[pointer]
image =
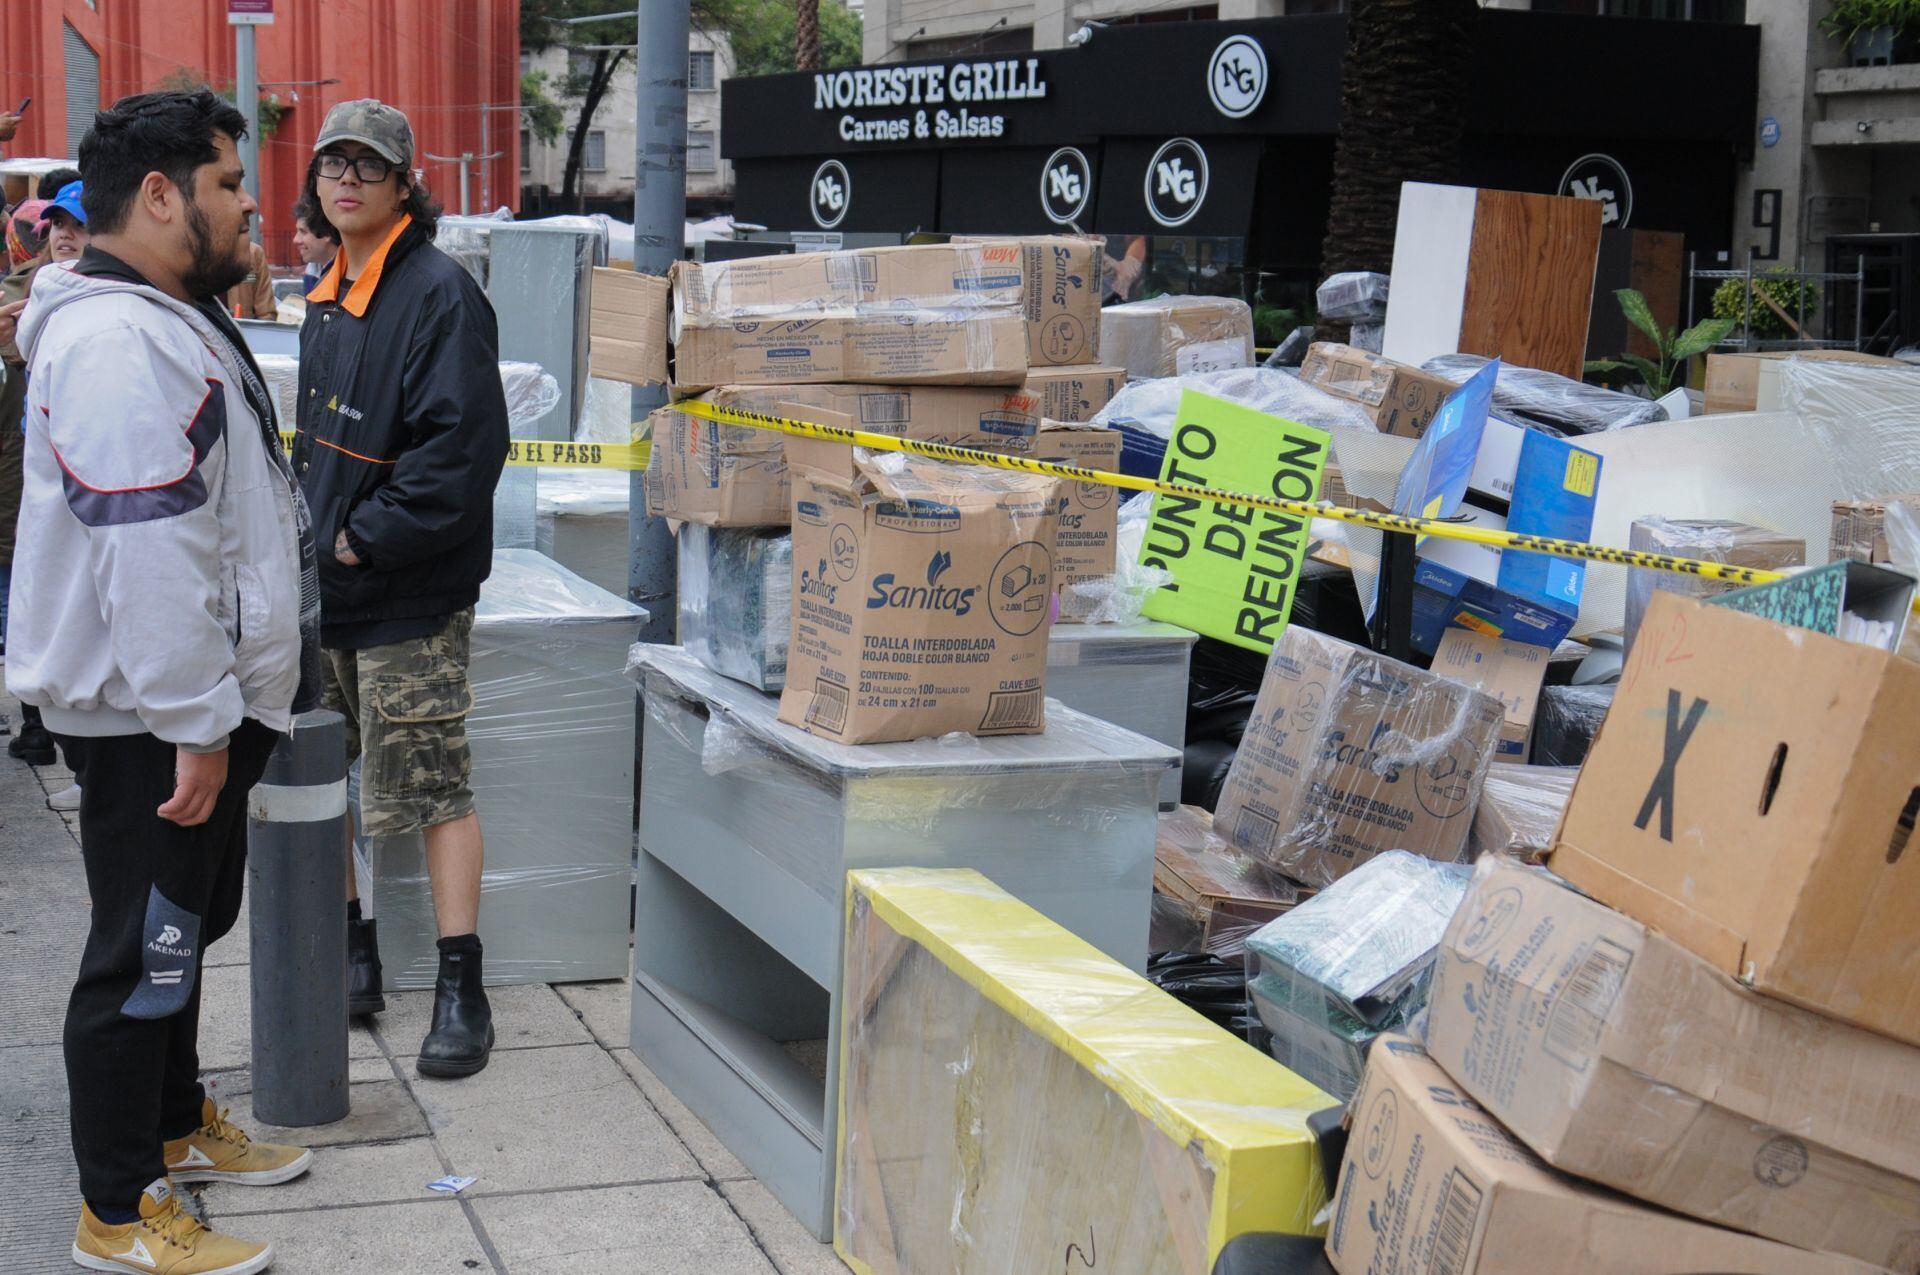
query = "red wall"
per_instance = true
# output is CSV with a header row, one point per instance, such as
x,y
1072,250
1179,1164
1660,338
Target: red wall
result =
x,y
437,60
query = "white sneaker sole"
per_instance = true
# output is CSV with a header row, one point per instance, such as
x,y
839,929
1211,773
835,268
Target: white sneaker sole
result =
x,y
285,1173
249,1267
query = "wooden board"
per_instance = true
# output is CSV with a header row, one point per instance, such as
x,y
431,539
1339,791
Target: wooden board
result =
x,y
1529,290
1653,263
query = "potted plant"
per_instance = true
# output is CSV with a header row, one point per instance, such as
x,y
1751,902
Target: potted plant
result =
x,y
1659,376
1875,31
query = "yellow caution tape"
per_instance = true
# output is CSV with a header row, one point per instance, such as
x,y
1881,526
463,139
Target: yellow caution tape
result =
x,y
1441,528
555,455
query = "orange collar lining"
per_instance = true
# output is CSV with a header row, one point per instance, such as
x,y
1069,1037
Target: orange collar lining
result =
x,y
358,296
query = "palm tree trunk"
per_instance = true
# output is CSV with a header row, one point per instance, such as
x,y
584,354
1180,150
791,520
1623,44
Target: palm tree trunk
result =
x,y
806,35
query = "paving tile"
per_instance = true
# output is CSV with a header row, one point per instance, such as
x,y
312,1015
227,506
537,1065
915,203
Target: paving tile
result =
x,y
226,1016
524,1017
720,1164
542,1118
791,1245
429,1238
604,1008
381,1173
382,1111
674,1228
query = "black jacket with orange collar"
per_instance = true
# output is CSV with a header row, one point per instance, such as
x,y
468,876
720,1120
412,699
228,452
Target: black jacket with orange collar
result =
x,y
402,433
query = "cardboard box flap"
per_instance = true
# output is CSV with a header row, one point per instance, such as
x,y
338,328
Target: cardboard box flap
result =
x,y
1718,945
627,328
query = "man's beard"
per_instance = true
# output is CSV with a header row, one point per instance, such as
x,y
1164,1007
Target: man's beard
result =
x,y
212,272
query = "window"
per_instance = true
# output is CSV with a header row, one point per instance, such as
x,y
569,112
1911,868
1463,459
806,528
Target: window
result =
x,y
526,151
700,71
83,85
579,64
703,150
594,160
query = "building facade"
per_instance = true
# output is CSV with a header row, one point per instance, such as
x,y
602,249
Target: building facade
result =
x,y
609,154
451,65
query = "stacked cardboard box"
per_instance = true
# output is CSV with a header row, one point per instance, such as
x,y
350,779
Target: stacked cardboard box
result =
x,y
1737,544
1400,398
1177,336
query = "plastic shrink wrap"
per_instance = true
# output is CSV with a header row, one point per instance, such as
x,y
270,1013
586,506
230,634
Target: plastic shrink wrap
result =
x,y
1711,540
1520,807
1868,415
736,601
1177,336
1144,411
551,732
1567,719
989,1058
1564,406
581,519
1349,754
1353,296
1133,675
1207,896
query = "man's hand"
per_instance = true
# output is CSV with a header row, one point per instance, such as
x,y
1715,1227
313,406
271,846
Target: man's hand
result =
x,y
343,550
197,781
10,320
9,125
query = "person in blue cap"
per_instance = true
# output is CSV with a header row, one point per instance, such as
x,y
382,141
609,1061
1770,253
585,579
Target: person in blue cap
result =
x,y
66,224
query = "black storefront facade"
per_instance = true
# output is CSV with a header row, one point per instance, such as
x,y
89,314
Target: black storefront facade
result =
x,y
1205,150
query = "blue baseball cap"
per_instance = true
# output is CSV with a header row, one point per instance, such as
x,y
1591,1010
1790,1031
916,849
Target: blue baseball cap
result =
x,y
68,201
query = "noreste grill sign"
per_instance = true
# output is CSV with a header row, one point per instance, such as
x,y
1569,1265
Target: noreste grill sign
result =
x,y
932,90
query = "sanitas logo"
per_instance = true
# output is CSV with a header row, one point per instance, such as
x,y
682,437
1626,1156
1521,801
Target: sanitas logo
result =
x,y
814,584
1365,756
932,596
1064,280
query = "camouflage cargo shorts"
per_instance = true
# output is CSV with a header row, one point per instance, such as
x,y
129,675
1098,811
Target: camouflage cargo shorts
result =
x,y
406,707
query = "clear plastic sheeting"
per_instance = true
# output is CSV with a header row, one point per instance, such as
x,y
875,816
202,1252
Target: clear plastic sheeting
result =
x,y
1370,337
468,240
532,393
736,601
1177,336
1120,597
281,372
1349,754
991,1058
1132,675
1564,406
957,279
1207,896
1076,803
581,521
1520,809
608,415
1144,411
1353,296
1868,417
1710,540
1565,722
551,732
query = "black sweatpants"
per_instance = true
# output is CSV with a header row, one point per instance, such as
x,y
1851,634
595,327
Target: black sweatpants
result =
x,y
162,894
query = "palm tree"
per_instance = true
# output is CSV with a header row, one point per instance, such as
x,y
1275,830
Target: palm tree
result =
x,y
806,35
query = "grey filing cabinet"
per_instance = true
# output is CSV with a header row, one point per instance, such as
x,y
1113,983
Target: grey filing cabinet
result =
x,y
1133,675
748,828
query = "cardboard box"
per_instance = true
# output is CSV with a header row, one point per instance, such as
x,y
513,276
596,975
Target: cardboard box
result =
x,y
1349,754
1061,301
1177,336
1074,393
921,602
1860,528
1320,1044
1228,894
736,476
983,277
1520,809
1511,672
1618,1056
1752,794
1737,544
1089,512
1432,1183
1734,380
1009,1094
1399,398
918,347
627,327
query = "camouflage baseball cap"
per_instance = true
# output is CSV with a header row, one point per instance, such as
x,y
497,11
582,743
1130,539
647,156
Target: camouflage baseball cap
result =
x,y
373,122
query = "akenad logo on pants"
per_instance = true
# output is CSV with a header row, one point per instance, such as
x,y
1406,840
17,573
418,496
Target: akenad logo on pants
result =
x,y
167,943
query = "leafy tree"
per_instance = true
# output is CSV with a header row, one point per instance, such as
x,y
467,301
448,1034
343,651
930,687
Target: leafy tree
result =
x,y
763,34
589,75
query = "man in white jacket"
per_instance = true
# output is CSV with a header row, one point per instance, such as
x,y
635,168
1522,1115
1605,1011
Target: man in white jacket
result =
x,y
163,600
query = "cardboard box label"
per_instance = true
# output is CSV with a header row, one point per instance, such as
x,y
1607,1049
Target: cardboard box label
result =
x,y
1074,394
1234,568
1089,511
1511,672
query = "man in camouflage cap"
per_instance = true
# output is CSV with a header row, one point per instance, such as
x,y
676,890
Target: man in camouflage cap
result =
x,y
403,433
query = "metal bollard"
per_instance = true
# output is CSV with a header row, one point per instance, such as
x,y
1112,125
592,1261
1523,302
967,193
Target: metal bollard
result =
x,y
296,877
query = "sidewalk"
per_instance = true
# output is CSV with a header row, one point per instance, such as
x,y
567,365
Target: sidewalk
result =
x,y
585,1162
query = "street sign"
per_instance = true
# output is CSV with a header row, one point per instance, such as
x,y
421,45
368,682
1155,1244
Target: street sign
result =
x,y
250,13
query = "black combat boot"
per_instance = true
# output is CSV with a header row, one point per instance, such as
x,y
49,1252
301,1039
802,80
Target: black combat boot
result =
x,y
34,744
462,1034
364,992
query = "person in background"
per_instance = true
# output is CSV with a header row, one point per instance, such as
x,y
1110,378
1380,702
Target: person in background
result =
x,y
26,237
252,297
315,240
66,224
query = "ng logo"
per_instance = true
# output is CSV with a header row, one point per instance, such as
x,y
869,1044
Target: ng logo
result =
x,y
1175,180
1066,185
1176,183
832,194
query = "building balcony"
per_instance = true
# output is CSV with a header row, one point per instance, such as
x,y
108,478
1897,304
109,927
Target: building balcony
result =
x,y
1868,106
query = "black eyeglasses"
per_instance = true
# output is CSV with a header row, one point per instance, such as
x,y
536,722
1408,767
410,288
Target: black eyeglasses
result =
x,y
372,168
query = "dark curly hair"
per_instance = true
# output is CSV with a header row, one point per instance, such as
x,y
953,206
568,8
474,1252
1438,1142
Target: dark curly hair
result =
x,y
169,132
307,209
419,203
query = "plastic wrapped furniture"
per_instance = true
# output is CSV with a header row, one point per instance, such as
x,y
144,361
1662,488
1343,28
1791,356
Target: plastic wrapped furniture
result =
x,y
1133,675
552,738
736,601
1711,540
748,828
1355,296
1520,807
1349,754
1012,1094
532,394
1867,415
581,521
1564,406
1207,896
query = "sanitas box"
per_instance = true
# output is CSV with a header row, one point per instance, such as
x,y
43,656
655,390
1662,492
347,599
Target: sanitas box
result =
x,y
1074,393
1349,754
921,602
1400,398
1511,672
1089,512
736,476
1752,795
1062,274
1433,1184
1617,1055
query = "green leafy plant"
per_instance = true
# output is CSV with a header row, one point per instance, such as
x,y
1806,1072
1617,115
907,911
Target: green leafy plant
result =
x,y
186,79
1848,18
1798,297
1675,347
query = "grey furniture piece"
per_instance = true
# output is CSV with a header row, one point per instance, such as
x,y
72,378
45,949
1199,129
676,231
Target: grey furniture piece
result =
x,y
1133,675
552,732
748,828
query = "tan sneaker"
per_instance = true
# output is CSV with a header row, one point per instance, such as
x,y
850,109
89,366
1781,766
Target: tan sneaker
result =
x,y
221,1152
167,1240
